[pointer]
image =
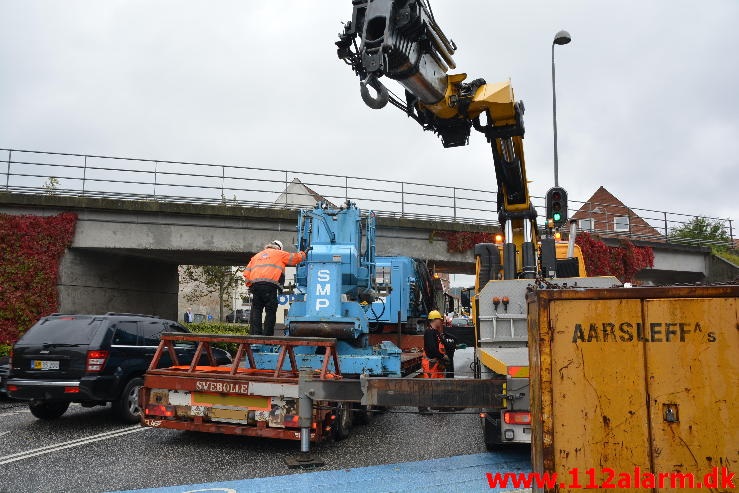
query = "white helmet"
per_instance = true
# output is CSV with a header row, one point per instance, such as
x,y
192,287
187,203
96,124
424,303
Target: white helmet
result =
x,y
278,243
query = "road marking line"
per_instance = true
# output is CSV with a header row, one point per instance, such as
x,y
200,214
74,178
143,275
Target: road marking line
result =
x,y
70,444
83,439
80,441
13,413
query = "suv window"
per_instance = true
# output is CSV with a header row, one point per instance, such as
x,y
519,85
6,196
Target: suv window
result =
x,y
150,332
62,330
126,334
173,327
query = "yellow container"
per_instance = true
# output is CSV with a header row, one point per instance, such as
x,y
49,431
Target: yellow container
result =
x,y
635,389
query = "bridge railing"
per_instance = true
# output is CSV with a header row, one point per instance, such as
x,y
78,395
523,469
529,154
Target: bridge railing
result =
x,y
204,183
232,185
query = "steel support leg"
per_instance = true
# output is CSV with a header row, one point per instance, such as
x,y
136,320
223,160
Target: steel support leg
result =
x,y
305,419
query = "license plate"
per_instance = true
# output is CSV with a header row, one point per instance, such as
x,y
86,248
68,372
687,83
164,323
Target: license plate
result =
x,y
38,364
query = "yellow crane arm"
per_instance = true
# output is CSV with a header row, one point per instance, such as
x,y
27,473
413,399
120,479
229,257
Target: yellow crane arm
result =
x,y
400,39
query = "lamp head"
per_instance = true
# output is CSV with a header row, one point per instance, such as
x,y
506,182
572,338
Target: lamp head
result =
x,y
562,38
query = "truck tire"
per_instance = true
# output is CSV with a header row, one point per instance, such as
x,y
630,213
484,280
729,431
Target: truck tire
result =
x,y
343,422
127,406
48,410
491,434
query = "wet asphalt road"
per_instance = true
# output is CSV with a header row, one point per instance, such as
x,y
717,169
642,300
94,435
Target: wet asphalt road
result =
x,y
41,456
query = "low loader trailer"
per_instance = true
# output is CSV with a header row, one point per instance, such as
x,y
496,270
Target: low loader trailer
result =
x,y
240,398
297,403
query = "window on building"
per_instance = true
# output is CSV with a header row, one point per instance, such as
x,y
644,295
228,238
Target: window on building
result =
x,y
621,223
586,224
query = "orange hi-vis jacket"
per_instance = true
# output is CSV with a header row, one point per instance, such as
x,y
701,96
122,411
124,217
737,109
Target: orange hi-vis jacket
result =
x,y
269,264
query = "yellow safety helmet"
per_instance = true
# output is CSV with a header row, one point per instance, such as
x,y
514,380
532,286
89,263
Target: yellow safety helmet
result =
x,y
435,315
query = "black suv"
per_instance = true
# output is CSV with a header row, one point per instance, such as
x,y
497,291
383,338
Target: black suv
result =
x,y
242,317
91,359
4,370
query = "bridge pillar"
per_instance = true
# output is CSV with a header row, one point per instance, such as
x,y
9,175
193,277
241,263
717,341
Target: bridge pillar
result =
x,y
98,282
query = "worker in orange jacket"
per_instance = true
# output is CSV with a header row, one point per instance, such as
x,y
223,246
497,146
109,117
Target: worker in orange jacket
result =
x,y
264,276
435,360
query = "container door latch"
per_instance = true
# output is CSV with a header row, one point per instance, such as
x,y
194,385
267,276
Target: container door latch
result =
x,y
670,413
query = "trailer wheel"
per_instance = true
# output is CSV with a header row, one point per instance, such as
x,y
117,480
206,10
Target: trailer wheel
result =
x,y
491,434
343,422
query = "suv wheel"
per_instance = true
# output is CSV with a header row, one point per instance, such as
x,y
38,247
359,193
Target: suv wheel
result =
x,y
127,407
48,410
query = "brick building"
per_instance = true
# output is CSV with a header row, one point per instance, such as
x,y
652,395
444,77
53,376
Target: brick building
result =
x,y
606,215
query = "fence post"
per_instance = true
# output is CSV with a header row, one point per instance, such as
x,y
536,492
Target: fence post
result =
x,y
7,172
454,202
285,188
346,188
731,233
84,176
666,232
223,185
402,199
156,163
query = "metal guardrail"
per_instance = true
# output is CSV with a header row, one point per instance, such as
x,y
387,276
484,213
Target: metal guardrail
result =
x,y
86,175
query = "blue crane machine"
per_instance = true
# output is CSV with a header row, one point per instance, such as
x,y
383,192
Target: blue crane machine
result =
x,y
339,295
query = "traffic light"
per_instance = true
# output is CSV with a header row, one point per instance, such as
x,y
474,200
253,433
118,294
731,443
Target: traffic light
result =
x,y
557,205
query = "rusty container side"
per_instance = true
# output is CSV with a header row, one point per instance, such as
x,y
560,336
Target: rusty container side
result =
x,y
693,384
541,385
607,372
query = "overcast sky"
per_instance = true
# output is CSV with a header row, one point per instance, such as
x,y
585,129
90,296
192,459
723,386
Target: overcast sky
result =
x,y
648,91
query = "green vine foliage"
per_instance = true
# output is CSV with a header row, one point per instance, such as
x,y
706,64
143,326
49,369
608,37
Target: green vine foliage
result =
x,y
31,248
622,262
220,328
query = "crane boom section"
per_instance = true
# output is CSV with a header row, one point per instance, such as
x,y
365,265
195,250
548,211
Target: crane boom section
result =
x,y
401,40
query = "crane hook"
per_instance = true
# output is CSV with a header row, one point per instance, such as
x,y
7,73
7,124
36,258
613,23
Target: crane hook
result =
x,y
382,93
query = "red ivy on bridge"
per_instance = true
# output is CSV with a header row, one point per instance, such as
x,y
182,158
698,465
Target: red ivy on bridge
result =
x,y
461,241
31,248
623,261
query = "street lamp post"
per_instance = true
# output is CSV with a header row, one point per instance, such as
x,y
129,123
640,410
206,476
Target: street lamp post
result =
x,y
561,38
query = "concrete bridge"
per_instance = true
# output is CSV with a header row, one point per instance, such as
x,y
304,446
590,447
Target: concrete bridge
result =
x,y
125,253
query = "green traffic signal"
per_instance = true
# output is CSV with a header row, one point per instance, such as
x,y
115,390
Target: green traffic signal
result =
x,y
556,202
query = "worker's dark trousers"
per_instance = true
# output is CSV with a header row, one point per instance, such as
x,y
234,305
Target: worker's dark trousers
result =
x,y
264,297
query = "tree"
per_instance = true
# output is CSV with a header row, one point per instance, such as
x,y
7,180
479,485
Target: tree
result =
x,y
702,230
51,186
210,279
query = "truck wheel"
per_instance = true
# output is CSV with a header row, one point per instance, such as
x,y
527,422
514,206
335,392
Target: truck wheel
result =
x,y
127,407
491,433
343,422
48,410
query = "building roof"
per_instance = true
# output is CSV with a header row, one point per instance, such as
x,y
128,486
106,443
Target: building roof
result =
x,y
298,194
603,208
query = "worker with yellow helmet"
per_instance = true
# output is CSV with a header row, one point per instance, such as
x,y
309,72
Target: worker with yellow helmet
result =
x,y
435,358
